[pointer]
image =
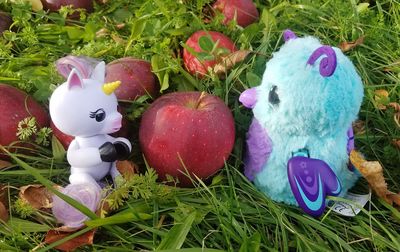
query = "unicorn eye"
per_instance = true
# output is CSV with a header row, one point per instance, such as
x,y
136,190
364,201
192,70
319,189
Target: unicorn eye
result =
x,y
273,97
99,115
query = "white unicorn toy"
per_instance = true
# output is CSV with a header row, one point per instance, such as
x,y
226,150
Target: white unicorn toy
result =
x,y
87,109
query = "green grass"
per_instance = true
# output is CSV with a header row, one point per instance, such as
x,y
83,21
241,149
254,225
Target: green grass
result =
x,y
228,214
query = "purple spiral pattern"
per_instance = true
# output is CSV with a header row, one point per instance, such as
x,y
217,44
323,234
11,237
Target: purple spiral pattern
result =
x,y
328,64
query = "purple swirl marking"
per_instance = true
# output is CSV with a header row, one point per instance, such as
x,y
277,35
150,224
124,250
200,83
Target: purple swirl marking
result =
x,y
328,64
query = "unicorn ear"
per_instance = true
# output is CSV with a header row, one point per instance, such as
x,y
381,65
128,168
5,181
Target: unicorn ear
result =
x,y
288,35
99,72
74,79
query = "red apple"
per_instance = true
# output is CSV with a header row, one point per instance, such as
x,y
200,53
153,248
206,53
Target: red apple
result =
x,y
193,128
244,11
193,64
135,76
55,5
15,106
5,21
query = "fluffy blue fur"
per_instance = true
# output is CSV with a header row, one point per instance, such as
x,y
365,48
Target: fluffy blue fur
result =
x,y
314,112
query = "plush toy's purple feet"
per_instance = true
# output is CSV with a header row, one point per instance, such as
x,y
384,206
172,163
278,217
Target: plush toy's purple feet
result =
x,y
311,180
88,194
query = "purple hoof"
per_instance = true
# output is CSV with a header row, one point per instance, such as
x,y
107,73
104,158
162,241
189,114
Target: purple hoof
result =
x,y
87,194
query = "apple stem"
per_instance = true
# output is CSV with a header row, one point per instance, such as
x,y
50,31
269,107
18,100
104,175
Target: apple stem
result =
x,y
202,95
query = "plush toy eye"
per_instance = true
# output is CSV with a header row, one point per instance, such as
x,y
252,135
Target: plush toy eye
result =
x,y
273,97
99,115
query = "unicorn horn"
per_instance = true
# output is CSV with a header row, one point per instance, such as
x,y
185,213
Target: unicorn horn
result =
x,y
109,88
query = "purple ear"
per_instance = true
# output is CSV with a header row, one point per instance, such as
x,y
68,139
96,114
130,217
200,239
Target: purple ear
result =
x,y
327,66
74,79
288,35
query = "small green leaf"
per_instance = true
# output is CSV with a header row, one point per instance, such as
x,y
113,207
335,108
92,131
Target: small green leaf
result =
x,y
203,56
119,218
19,225
252,79
268,19
192,250
177,235
57,148
362,7
165,82
217,179
121,15
90,31
137,28
189,49
159,69
206,43
251,244
74,32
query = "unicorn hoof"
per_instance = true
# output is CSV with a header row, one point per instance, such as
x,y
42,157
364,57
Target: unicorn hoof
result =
x,y
87,194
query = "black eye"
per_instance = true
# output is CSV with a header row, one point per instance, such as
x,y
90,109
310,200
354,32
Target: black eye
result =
x,y
273,97
99,115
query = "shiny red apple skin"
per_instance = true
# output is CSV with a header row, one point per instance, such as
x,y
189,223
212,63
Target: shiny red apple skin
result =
x,y
55,5
136,78
245,11
194,65
190,127
5,21
15,105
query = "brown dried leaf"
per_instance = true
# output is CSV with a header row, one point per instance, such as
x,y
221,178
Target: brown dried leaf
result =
x,y
3,203
65,229
359,127
395,198
120,26
395,106
396,143
227,62
347,46
4,195
381,97
372,171
37,196
396,119
84,239
102,32
4,164
208,13
127,168
393,67
3,212
117,39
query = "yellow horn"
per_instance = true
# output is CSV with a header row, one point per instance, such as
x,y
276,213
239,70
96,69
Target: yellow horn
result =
x,y
109,88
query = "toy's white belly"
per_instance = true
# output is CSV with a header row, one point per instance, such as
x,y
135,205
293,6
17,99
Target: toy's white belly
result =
x,y
99,171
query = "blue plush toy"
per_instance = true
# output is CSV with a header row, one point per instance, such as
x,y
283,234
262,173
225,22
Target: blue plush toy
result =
x,y
299,141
